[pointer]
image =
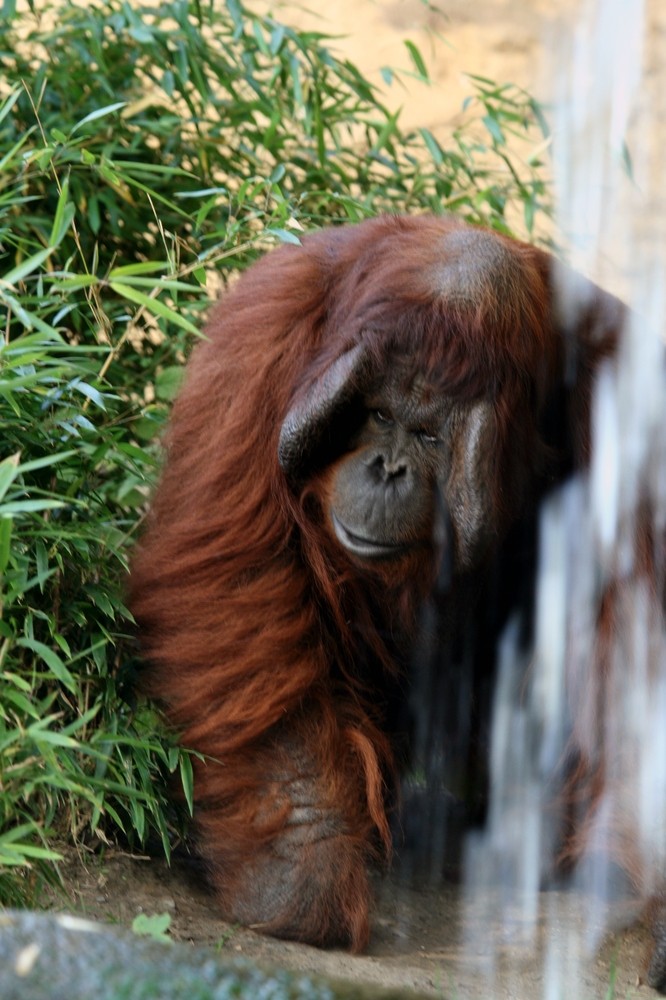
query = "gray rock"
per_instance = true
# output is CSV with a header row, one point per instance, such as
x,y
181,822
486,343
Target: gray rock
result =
x,y
46,956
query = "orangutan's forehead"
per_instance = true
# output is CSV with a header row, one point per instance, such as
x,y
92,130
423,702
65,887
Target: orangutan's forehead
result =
x,y
411,392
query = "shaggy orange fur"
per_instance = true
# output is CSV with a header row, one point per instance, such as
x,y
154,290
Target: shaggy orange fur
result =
x,y
266,644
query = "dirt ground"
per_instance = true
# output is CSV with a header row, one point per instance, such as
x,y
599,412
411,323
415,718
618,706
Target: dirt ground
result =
x,y
418,941
418,935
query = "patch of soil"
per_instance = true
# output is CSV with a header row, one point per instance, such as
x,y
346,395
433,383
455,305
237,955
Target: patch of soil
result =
x,y
423,938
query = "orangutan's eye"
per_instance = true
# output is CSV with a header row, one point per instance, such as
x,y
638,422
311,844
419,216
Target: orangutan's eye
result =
x,y
383,417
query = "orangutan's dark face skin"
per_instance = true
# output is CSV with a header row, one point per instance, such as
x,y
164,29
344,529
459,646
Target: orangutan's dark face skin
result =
x,y
414,469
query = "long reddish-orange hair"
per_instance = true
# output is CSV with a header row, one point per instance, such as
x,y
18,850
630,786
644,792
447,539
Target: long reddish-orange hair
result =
x,y
250,618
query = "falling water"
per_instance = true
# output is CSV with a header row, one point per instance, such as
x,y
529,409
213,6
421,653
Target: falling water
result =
x,y
614,223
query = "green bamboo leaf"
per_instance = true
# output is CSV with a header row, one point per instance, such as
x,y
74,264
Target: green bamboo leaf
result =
x,y
154,306
140,267
259,37
157,282
9,470
46,461
284,235
16,854
53,662
387,131
12,507
433,146
98,113
6,524
141,33
11,153
29,342
495,130
26,267
72,282
64,215
296,81
187,780
11,100
52,737
417,59
19,700
90,392
277,37
9,386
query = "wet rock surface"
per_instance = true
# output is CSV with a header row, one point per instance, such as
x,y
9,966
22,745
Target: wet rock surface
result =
x,y
62,957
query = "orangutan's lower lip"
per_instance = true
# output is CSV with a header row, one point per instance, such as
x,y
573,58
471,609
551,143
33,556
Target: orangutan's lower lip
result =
x,y
368,548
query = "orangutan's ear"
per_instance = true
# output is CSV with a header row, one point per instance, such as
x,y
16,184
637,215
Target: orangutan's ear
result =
x,y
314,411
